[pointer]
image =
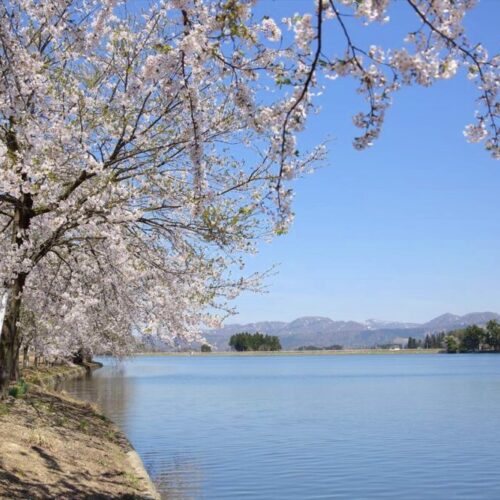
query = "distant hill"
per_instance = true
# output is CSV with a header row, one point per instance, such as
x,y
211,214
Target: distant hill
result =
x,y
452,321
321,331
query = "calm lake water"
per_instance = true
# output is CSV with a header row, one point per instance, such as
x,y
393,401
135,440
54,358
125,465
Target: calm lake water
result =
x,y
309,427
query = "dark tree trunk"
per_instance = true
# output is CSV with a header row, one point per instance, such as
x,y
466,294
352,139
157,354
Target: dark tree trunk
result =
x,y
82,356
15,371
10,340
26,350
6,360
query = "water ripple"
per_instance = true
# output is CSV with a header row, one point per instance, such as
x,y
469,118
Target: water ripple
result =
x,y
351,427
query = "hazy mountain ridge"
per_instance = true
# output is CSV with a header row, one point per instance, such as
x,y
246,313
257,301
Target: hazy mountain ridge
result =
x,y
322,331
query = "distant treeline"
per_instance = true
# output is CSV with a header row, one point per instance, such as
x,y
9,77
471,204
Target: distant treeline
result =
x,y
334,347
470,339
245,341
432,341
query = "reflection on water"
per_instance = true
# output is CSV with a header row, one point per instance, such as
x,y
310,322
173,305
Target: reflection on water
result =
x,y
309,427
181,482
111,392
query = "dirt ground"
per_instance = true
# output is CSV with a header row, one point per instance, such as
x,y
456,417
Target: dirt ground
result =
x,y
52,446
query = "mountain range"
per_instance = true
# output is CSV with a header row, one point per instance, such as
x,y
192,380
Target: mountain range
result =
x,y
321,331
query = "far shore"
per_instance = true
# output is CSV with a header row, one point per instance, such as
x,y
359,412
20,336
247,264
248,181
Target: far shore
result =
x,y
342,352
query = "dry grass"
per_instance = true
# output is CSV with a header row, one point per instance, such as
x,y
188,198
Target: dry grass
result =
x,y
49,377
37,437
52,446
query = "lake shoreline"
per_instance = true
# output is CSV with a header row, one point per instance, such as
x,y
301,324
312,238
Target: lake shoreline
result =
x,y
55,446
343,352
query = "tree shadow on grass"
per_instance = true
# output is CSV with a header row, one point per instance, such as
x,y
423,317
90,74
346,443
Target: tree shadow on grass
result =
x,y
51,462
16,487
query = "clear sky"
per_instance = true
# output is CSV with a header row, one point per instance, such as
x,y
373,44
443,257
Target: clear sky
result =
x,y
406,230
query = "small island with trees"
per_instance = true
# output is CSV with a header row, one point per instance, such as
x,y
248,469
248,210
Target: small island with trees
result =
x,y
246,341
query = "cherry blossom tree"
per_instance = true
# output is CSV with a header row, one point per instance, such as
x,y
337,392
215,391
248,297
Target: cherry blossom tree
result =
x,y
122,193
144,153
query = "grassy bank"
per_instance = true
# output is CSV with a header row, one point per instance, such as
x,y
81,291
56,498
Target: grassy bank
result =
x,y
53,446
49,377
344,352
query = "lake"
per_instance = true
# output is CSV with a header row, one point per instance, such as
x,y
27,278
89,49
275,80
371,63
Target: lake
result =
x,y
309,427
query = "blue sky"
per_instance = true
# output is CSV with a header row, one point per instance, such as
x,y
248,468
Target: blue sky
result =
x,y
406,230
